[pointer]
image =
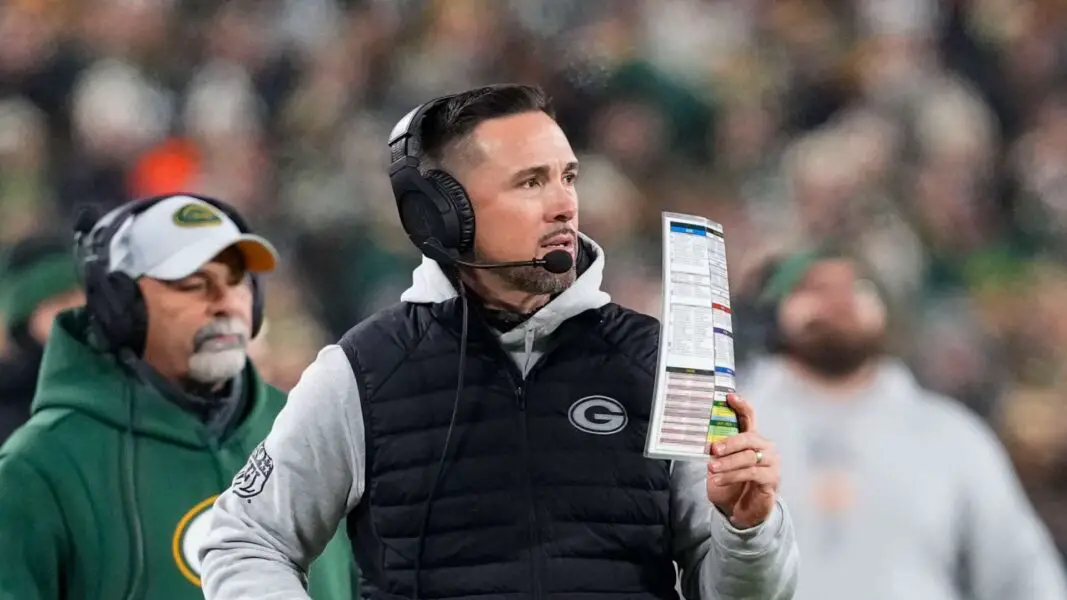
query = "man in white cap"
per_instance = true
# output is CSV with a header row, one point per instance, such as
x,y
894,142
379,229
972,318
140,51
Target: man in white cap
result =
x,y
147,408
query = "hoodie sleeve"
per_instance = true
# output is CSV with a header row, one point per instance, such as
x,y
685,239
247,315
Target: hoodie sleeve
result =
x,y
286,504
31,558
1006,551
721,562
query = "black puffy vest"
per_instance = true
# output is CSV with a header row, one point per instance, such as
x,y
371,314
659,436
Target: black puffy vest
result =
x,y
529,505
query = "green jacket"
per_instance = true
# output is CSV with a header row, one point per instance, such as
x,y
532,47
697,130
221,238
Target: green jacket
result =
x,y
106,493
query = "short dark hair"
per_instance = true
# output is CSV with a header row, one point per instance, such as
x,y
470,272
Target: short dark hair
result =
x,y
451,122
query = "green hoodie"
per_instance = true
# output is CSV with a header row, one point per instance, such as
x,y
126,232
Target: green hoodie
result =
x,y
107,491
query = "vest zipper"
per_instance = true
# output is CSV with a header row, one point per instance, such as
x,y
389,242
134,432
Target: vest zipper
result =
x,y
535,535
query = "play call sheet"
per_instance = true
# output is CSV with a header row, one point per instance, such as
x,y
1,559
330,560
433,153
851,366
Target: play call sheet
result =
x,y
696,359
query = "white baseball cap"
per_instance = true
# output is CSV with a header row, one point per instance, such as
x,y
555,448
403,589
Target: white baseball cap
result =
x,y
177,236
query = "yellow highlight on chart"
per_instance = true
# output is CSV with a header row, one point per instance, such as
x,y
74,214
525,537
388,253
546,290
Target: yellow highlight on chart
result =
x,y
722,424
723,411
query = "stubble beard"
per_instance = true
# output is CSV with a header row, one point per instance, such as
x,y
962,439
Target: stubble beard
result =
x,y
530,279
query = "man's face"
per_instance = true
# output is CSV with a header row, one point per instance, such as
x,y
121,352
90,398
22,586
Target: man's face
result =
x,y
520,173
199,326
833,322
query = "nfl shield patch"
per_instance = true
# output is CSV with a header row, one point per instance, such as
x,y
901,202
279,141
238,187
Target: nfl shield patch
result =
x,y
250,480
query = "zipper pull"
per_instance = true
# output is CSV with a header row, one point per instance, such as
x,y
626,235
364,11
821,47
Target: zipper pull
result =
x,y
520,395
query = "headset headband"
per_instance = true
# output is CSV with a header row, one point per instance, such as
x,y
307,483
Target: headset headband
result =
x,y
405,141
93,238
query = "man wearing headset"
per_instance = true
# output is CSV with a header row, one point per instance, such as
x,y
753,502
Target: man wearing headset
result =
x,y
897,493
147,407
484,437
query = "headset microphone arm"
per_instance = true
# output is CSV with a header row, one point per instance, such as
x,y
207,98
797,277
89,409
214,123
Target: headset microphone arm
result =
x,y
556,261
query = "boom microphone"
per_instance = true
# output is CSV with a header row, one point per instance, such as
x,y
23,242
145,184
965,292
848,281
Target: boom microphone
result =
x,y
556,261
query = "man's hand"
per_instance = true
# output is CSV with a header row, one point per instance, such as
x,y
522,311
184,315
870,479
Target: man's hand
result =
x,y
743,473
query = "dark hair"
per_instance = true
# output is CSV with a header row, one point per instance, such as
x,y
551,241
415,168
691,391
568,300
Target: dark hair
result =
x,y
454,120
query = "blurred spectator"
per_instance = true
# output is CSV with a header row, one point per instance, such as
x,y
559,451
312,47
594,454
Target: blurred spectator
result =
x,y
898,493
38,281
24,188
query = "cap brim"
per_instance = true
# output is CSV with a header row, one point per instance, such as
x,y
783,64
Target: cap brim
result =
x,y
259,256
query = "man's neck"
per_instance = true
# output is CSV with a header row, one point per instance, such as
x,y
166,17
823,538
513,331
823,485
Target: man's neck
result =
x,y
196,388
207,391
835,385
495,295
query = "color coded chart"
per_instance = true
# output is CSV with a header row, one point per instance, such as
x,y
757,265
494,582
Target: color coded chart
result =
x,y
696,355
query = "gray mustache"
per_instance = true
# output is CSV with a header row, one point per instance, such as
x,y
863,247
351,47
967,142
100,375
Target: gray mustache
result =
x,y
221,327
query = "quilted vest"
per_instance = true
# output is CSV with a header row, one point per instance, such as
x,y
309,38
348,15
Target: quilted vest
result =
x,y
544,492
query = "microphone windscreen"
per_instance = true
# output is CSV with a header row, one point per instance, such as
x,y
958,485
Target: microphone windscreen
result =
x,y
558,261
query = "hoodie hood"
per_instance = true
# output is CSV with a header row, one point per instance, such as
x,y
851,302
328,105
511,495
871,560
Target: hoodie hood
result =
x,y
430,285
75,376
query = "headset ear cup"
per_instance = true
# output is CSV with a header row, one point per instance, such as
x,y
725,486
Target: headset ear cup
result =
x,y
456,195
116,306
259,301
421,220
93,281
128,318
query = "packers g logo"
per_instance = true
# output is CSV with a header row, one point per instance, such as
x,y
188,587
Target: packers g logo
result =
x,y
598,415
189,536
196,214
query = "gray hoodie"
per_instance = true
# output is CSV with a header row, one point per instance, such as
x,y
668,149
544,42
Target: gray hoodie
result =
x,y
900,494
264,538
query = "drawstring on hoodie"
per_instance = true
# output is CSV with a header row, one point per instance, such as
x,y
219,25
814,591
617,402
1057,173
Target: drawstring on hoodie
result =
x,y
128,465
216,459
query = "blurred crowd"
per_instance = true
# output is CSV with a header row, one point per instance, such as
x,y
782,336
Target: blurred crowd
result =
x,y
928,135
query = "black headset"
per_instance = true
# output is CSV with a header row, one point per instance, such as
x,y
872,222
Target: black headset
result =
x,y
113,300
434,208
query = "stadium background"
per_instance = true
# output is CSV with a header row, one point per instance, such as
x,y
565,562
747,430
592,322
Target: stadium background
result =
x,y
931,136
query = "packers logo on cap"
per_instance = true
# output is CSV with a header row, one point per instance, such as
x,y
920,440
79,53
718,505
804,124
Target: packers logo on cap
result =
x,y
196,215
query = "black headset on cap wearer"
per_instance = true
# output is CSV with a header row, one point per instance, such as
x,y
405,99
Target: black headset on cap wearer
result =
x,y
112,298
118,314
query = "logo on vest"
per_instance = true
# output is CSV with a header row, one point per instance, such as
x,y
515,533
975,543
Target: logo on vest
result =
x,y
598,415
189,537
